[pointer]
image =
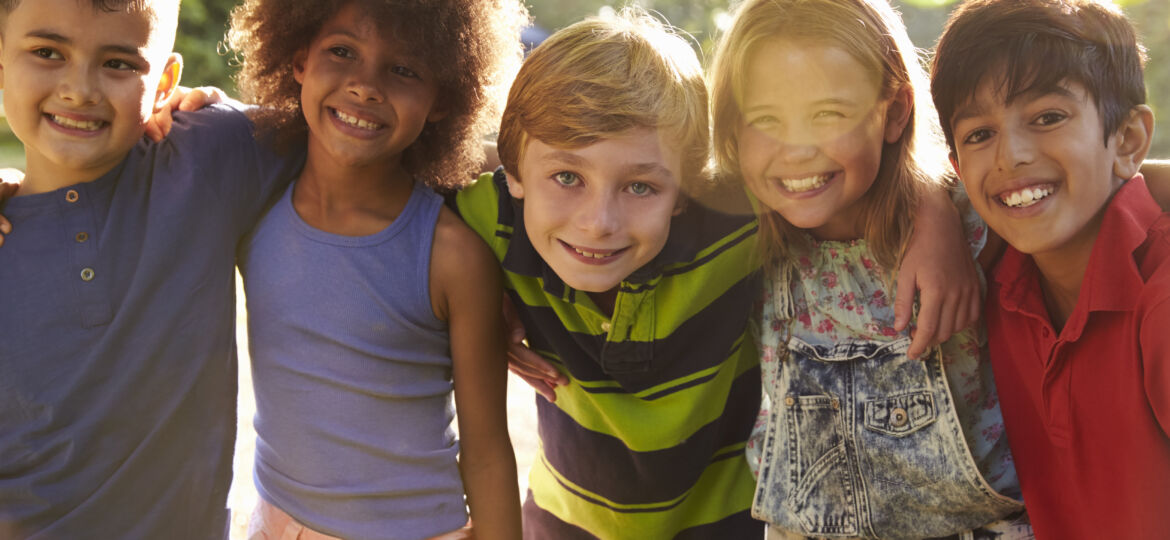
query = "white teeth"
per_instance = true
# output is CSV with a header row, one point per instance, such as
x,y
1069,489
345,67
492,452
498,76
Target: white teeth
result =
x,y
1025,197
592,254
798,185
91,125
355,121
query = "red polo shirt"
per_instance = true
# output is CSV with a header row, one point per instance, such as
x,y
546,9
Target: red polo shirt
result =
x,y
1088,411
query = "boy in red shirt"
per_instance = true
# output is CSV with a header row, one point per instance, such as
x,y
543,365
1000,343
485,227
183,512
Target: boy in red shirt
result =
x,y
1042,105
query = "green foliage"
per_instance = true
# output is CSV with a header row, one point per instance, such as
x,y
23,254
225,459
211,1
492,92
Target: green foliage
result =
x,y
202,25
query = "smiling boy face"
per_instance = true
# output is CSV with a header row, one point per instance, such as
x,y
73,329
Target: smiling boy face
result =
x,y
597,213
80,83
1037,169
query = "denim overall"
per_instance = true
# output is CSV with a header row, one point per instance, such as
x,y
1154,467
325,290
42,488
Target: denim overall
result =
x,y
863,441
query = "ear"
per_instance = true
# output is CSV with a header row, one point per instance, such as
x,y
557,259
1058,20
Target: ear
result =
x,y
1,62
436,114
898,113
171,73
298,65
515,188
955,165
1133,141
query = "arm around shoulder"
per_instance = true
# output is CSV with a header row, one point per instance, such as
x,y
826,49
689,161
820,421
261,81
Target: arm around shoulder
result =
x,y
1155,349
466,289
1157,173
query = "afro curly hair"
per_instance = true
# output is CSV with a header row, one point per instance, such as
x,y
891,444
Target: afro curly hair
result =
x,y
473,47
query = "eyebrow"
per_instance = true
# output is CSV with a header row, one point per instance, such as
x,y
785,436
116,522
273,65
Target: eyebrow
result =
x,y
818,103
972,109
571,159
50,35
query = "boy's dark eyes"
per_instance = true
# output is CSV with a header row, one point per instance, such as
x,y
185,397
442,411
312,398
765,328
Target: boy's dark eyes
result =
x,y
120,65
1050,118
977,136
45,52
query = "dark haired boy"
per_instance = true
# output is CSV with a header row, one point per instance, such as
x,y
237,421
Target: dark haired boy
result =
x,y
1042,103
117,349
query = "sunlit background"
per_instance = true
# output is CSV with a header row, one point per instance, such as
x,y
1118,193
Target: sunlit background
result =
x,y
203,23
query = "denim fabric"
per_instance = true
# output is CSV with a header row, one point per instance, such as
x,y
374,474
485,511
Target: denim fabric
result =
x,y
863,441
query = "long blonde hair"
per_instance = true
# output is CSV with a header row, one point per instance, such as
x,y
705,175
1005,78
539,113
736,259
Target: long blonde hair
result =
x,y
874,35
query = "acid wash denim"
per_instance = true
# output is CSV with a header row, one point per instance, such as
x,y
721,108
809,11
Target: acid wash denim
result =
x,y
863,441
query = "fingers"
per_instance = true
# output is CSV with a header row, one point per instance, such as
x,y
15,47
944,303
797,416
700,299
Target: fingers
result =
x,y
903,301
512,323
924,334
201,97
523,361
974,308
541,387
159,125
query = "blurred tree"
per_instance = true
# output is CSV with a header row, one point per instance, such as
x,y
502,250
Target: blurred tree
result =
x,y
202,25
924,21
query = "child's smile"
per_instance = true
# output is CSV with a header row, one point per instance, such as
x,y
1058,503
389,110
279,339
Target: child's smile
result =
x,y
1037,169
80,83
598,213
364,96
810,141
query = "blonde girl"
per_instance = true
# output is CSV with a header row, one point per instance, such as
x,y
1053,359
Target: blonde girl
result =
x,y
820,109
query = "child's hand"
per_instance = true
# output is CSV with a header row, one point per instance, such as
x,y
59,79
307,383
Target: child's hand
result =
x,y
937,265
182,99
536,371
9,184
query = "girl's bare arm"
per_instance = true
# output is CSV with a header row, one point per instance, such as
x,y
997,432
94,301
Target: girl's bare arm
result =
x,y
466,289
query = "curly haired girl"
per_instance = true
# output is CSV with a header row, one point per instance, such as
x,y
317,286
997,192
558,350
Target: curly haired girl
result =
x,y
366,296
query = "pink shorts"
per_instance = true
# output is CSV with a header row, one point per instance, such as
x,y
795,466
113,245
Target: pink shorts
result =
x,y
271,523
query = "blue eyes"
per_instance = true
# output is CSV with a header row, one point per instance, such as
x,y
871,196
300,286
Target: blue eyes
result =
x,y
565,178
570,179
638,188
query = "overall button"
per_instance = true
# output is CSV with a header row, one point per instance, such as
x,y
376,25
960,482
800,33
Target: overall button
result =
x,y
81,237
898,417
835,404
87,274
605,326
790,401
72,195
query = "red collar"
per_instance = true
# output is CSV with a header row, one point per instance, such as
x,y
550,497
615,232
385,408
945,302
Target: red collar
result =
x,y
1112,280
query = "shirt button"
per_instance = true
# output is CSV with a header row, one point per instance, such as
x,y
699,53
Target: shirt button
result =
x,y
87,274
72,195
81,237
605,326
1044,332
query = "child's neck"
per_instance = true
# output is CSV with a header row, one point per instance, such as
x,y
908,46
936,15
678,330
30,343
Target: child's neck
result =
x,y
351,201
1062,272
605,301
43,177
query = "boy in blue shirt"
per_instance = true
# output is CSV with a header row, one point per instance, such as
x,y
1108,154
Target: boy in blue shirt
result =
x,y
117,400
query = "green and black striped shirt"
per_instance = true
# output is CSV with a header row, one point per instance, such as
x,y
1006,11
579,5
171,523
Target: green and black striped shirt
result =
x,y
647,439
